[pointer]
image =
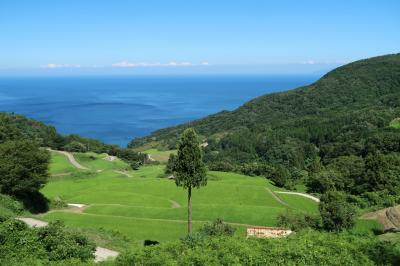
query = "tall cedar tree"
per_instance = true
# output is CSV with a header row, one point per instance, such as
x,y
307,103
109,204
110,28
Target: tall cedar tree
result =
x,y
189,169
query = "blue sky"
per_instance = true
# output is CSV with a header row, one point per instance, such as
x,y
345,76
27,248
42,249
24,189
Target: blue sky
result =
x,y
149,36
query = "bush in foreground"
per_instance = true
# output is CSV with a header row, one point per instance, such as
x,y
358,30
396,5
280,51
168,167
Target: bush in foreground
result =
x,y
20,245
304,248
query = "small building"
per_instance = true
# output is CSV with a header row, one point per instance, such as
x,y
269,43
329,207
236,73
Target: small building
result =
x,y
267,232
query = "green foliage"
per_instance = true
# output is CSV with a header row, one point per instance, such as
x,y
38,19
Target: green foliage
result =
x,y
304,248
189,169
17,127
378,175
61,244
75,146
9,207
279,175
324,181
297,221
135,165
23,167
14,127
336,213
169,168
21,245
217,228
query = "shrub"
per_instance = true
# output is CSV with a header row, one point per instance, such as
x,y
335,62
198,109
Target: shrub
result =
x,y
21,245
336,213
217,228
305,248
297,221
61,244
75,146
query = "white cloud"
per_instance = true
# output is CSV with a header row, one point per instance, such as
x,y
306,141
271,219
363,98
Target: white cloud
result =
x,y
308,62
127,64
123,64
313,62
54,66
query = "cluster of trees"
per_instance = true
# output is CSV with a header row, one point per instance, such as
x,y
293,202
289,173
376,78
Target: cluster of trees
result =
x,y
335,215
14,126
23,164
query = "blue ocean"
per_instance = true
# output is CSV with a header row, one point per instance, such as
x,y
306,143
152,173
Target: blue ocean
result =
x,y
116,109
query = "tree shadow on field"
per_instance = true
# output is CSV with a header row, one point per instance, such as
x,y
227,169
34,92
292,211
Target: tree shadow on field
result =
x,y
150,243
35,202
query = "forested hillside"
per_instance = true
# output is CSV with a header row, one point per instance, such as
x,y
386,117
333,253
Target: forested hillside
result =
x,y
340,132
13,126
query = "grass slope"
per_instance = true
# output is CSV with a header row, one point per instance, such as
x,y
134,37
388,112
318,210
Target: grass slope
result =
x,y
146,206
161,156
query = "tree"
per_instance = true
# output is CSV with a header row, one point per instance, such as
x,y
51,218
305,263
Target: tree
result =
x,y
279,175
324,181
217,228
189,169
375,178
23,167
169,169
336,213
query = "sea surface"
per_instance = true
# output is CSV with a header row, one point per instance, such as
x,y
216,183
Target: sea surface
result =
x,y
116,109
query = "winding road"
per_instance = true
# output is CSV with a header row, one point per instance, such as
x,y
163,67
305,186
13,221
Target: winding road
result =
x,y
299,194
71,159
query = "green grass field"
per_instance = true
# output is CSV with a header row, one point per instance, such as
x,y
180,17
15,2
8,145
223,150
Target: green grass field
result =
x,y
157,155
59,164
96,161
147,206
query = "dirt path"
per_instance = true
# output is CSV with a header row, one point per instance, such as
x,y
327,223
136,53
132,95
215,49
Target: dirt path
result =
x,y
33,222
299,194
101,254
71,159
61,174
276,197
175,205
122,173
151,159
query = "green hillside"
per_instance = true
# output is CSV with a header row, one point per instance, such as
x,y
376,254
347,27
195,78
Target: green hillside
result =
x,y
342,94
327,134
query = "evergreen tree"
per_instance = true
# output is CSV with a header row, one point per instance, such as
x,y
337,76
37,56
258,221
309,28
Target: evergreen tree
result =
x,y
189,169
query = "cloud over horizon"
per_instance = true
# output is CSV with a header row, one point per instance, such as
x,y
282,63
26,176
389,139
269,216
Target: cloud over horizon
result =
x,y
127,64
54,66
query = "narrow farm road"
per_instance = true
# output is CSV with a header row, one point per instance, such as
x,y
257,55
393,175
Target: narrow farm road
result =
x,y
122,173
71,159
276,197
33,222
299,194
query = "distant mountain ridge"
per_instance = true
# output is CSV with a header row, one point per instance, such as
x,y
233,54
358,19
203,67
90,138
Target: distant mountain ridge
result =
x,y
362,86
